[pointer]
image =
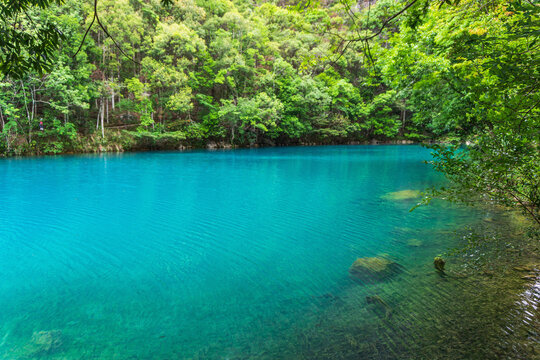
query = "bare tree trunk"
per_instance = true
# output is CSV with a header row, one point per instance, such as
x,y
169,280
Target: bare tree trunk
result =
x,y
34,111
403,117
112,98
107,109
98,106
2,119
102,117
8,144
27,113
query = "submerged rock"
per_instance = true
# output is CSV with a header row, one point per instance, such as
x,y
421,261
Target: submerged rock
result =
x,y
523,268
415,243
439,263
380,304
526,268
329,297
45,341
488,273
376,299
402,195
373,268
531,269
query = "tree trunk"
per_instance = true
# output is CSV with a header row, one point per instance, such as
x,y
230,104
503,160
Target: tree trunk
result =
x,y
403,117
112,98
2,120
98,107
102,118
27,113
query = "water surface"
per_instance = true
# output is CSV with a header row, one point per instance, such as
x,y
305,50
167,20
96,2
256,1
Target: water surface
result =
x,y
230,255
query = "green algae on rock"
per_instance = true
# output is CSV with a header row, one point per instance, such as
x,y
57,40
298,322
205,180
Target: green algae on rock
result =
x,y
402,195
373,268
415,243
380,304
439,263
44,342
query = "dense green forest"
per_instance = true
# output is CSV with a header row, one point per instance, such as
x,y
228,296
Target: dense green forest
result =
x,y
150,74
236,73
245,73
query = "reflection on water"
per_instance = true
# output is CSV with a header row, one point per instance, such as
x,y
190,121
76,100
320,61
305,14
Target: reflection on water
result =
x,y
248,254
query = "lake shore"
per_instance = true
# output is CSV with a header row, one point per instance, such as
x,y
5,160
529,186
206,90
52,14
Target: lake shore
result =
x,y
129,141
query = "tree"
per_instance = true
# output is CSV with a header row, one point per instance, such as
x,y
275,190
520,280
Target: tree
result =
x,y
143,105
477,82
25,46
31,45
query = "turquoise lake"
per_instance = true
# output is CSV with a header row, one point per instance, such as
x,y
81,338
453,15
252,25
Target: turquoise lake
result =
x,y
239,254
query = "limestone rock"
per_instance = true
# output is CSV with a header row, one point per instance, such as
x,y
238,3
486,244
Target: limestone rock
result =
x,y
439,263
402,195
45,341
527,267
373,268
380,304
414,242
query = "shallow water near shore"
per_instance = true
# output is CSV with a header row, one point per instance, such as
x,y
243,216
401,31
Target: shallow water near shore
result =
x,y
245,254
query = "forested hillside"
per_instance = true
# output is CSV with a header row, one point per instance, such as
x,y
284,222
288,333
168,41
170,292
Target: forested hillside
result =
x,y
196,72
245,73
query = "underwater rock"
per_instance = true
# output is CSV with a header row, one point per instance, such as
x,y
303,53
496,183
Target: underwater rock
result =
x,y
329,297
380,303
522,268
376,299
531,269
415,243
525,268
402,195
373,268
439,263
45,341
488,273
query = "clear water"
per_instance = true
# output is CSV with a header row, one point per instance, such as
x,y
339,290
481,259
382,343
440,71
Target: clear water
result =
x,y
226,255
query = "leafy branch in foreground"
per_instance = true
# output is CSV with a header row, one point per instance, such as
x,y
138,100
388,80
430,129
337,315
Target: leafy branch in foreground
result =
x,y
477,84
511,179
30,40
26,43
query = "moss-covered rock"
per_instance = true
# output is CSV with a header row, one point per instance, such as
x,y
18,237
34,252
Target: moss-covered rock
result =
x,y
402,195
439,263
44,342
373,268
523,268
379,304
414,243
